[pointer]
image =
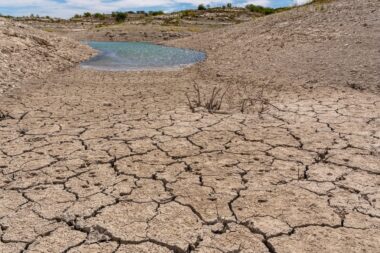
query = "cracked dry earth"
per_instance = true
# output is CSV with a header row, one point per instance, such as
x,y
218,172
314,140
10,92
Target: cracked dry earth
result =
x,y
116,162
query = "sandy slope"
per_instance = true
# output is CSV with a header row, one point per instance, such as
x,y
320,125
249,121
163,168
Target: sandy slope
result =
x,y
116,162
29,53
335,45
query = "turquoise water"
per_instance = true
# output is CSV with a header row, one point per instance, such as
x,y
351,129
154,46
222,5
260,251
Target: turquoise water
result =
x,y
124,56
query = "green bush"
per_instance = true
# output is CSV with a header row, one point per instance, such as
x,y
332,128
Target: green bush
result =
x,y
201,7
156,13
87,14
99,16
260,9
188,13
120,17
5,16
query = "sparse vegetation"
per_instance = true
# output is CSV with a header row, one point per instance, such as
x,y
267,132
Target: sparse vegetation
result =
x,y
22,131
319,1
212,103
99,16
156,13
202,7
355,86
260,9
4,115
223,15
205,18
254,101
120,17
5,16
248,98
188,13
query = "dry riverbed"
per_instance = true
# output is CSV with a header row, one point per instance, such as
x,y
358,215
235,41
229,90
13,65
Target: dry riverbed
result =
x,y
117,162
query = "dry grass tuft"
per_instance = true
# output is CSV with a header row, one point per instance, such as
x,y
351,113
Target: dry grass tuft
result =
x,y
255,98
256,102
4,115
244,98
212,103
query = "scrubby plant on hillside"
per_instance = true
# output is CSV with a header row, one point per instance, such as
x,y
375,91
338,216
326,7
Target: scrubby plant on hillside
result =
x,y
172,21
202,7
76,16
188,13
99,16
156,13
87,14
120,17
320,1
260,9
5,16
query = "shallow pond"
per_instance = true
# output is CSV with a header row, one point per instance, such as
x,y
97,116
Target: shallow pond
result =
x,y
124,56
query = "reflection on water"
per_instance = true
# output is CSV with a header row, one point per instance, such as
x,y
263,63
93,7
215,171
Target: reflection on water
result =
x,y
121,56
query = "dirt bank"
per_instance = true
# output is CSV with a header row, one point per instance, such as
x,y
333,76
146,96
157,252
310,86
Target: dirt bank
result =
x,y
334,45
27,53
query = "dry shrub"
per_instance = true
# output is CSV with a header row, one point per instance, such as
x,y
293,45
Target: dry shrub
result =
x,y
4,115
254,101
244,97
255,97
212,102
355,86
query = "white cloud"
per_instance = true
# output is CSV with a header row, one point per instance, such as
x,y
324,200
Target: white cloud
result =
x,y
301,2
264,3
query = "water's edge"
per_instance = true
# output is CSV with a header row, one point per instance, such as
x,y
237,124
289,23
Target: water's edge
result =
x,y
140,56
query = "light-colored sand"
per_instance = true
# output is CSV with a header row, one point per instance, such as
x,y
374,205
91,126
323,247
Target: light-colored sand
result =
x,y
116,162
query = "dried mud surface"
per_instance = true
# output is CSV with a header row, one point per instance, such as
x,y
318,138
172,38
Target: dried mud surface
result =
x,y
116,162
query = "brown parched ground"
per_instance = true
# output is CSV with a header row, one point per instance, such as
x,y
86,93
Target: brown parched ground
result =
x,y
116,162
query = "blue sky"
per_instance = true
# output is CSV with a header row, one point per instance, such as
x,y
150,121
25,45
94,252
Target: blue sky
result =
x,y
67,8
